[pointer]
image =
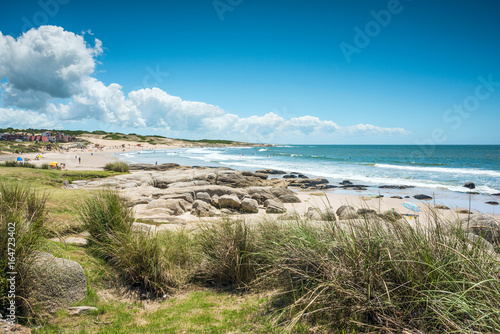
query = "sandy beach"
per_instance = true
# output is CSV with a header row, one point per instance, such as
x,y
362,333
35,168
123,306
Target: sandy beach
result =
x,y
94,158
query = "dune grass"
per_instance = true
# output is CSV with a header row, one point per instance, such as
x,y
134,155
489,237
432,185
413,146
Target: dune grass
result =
x,y
23,218
154,262
118,166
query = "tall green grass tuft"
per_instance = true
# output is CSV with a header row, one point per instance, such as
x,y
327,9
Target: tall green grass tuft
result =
x,y
371,275
23,220
106,216
230,253
118,166
139,258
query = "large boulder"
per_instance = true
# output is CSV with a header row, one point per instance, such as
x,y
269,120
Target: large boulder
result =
x,y
202,209
173,206
55,283
229,202
347,212
203,196
250,205
289,199
274,206
327,214
260,194
366,212
391,216
281,191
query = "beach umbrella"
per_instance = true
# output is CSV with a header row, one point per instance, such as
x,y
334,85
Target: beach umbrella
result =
x,y
39,156
19,159
54,163
411,206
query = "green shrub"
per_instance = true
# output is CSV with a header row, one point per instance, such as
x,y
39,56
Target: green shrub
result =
x,y
10,164
118,166
230,253
138,258
45,166
105,215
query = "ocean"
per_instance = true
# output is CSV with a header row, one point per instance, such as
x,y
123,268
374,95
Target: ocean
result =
x,y
439,171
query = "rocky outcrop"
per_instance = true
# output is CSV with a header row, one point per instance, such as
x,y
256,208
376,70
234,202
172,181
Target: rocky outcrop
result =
x,y
347,212
306,183
441,207
163,195
56,283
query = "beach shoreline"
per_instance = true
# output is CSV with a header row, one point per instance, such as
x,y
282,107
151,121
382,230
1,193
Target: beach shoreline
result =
x,y
109,150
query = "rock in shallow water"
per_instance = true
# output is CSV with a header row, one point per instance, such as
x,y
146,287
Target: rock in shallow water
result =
x,y
422,197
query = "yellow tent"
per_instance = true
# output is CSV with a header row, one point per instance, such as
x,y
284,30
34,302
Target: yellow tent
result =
x,y
39,156
54,163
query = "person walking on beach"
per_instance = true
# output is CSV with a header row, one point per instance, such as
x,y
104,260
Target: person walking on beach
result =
x,y
79,160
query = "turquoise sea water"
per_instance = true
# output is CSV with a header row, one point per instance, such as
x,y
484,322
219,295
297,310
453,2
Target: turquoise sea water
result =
x,y
439,170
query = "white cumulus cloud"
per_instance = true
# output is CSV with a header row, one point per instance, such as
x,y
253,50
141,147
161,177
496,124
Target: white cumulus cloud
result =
x,y
47,76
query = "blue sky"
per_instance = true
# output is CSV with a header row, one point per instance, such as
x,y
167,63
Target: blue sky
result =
x,y
260,71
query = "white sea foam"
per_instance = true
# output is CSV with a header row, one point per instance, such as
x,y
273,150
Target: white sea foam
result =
x,y
443,170
354,176
263,150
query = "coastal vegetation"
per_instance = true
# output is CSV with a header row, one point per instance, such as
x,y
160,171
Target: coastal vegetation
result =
x,y
290,274
118,166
